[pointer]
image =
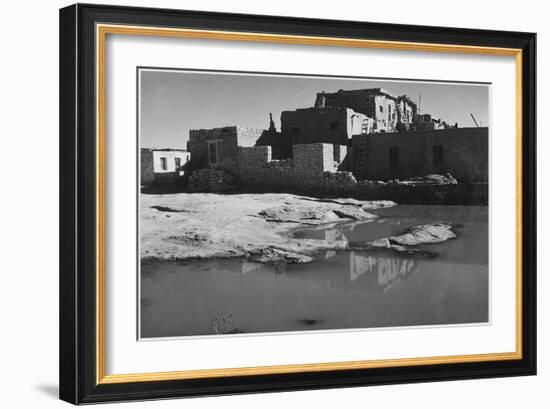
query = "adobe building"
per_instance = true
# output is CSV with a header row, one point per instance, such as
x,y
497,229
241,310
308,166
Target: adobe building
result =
x,y
307,170
281,145
159,165
389,112
426,122
462,152
333,124
346,144
218,148
329,125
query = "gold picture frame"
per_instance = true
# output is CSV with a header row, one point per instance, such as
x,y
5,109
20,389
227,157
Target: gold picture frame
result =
x,y
99,21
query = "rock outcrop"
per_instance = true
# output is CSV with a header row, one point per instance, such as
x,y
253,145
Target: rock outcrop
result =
x,y
414,236
424,234
187,226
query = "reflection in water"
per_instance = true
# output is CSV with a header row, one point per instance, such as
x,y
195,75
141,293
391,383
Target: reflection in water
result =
x,y
247,266
340,289
387,269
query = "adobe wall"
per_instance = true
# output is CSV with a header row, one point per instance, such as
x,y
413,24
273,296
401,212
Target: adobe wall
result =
x,y
465,154
147,172
311,161
386,117
305,171
228,140
313,125
358,101
364,102
247,136
198,145
281,147
151,168
170,157
314,171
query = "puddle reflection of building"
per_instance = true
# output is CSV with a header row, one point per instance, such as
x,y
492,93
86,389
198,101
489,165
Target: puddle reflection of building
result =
x,y
330,235
247,266
389,270
365,271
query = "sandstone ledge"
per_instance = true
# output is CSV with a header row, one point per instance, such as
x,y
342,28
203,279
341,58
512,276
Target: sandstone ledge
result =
x,y
412,237
187,226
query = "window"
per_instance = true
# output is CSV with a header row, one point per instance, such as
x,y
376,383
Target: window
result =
x,y
333,125
296,130
394,156
178,163
213,153
336,153
438,155
381,108
163,163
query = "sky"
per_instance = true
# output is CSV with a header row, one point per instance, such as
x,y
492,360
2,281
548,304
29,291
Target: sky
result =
x,y
173,102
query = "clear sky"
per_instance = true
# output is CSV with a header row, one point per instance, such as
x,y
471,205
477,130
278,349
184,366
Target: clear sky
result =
x,y
173,102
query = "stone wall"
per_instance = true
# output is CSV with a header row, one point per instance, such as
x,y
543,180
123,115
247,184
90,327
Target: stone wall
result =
x,y
339,180
210,180
247,136
314,170
199,140
258,169
305,171
311,161
227,140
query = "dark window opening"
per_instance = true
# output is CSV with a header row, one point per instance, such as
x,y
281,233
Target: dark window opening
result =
x,y
334,125
296,130
394,156
336,153
163,164
178,163
381,108
438,154
213,153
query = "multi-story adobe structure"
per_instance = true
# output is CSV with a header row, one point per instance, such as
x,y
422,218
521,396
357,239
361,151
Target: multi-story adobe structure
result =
x,y
335,125
329,125
348,137
390,113
233,150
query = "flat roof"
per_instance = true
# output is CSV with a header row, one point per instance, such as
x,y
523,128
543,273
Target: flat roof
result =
x,y
165,149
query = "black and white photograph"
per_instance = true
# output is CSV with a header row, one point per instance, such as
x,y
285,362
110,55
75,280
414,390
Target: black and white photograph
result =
x,y
281,202
254,201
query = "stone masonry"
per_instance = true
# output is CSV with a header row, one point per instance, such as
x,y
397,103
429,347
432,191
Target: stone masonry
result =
x,y
218,148
307,170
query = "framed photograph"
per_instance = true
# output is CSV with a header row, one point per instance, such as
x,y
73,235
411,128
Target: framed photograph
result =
x,y
257,203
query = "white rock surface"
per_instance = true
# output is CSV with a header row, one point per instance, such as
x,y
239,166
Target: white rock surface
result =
x,y
186,226
424,234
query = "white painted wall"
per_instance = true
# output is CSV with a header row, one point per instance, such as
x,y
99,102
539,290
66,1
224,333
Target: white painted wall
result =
x,y
28,303
170,158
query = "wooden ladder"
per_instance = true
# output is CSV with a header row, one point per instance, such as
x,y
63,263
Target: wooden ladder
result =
x,y
360,156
